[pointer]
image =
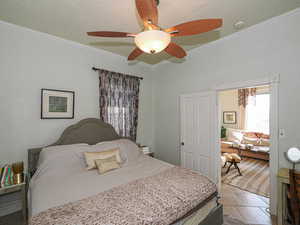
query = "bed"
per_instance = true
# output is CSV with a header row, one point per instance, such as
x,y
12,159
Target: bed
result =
x,y
59,183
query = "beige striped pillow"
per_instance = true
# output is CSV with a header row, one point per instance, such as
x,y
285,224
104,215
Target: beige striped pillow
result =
x,y
108,164
90,157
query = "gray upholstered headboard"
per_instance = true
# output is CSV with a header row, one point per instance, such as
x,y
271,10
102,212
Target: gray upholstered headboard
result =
x,y
90,131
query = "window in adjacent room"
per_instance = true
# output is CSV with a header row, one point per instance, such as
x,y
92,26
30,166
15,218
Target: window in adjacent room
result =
x,y
257,114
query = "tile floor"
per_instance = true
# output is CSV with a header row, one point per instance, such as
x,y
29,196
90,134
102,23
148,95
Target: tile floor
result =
x,y
245,206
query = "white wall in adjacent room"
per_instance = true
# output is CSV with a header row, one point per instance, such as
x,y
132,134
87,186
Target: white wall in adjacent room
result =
x,y
31,60
267,49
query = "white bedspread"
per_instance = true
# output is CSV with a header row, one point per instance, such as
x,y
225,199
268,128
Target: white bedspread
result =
x,y
62,177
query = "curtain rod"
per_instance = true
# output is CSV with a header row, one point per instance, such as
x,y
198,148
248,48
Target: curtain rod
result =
x,y
97,69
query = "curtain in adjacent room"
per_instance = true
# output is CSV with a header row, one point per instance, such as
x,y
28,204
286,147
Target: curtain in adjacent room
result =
x,y
119,101
245,96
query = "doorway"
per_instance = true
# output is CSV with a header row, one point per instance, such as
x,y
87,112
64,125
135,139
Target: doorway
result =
x,y
245,145
272,83
200,140
245,138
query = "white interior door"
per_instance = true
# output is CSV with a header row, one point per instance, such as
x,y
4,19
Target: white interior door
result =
x,y
197,148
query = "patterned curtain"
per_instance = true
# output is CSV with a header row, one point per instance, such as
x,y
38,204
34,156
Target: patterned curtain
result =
x,y
244,95
244,99
119,100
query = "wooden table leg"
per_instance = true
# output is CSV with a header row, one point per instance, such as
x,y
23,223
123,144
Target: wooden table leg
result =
x,y
231,163
238,168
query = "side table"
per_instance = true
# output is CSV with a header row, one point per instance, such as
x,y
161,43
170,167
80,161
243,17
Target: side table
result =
x,y
18,188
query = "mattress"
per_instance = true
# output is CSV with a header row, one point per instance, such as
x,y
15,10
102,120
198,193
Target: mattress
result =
x,y
64,179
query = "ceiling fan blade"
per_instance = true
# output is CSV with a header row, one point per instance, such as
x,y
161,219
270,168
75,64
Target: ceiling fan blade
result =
x,y
110,34
147,10
175,50
135,53
195,27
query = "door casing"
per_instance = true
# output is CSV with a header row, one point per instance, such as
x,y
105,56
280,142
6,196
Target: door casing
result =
x,y
273,82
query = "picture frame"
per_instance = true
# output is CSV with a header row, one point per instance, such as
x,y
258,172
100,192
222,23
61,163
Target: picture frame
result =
x,y
229,117
57,104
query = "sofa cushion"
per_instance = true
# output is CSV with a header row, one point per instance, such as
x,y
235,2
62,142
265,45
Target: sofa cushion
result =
x,y
250,134
234,135
250,140
263,142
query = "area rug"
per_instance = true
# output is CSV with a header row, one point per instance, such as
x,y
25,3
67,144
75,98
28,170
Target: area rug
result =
x,y
255,179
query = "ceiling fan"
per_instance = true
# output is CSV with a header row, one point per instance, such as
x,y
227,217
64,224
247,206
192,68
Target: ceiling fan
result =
x,y
154,39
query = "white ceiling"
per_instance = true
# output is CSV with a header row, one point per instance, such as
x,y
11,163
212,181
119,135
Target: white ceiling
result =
x,y
71,19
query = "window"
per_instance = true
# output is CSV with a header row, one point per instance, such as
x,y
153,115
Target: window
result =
x,y
119,100
117,117
258,114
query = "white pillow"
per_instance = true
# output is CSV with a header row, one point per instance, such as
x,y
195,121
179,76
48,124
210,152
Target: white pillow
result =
x,y
234,135
129,150
51,152
106,145
248,140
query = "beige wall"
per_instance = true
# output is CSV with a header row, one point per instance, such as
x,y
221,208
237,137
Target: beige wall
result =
x,y
228,101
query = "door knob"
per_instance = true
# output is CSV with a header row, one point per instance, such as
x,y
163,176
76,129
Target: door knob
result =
x,y
182,143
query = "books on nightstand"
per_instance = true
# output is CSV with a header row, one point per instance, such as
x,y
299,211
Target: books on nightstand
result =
x,y
145,149
6,176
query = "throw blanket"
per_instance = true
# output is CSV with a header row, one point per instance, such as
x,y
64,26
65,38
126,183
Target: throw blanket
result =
x,y
156,200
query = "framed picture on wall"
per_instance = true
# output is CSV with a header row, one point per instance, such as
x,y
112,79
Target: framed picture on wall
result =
x,y
229,117
57,104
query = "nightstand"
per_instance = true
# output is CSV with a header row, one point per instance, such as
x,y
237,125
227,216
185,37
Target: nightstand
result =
x,y
18,188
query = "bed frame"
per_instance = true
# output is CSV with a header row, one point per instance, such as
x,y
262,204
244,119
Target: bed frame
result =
x,y
93,131
90,131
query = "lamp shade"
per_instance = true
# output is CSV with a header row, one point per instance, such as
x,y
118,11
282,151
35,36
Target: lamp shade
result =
x,y
152,41
293,155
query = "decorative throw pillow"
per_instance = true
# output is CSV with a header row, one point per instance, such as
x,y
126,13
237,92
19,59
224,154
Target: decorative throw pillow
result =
x,y
248,140
265,136
250,134
90,157
108,164
263,142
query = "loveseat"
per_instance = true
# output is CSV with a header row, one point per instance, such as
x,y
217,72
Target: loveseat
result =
x,y
246,143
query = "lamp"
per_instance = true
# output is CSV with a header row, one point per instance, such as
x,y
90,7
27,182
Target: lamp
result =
x,y
293,155
152,41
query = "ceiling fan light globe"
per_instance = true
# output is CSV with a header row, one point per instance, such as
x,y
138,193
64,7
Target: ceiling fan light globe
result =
x,y
152,41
